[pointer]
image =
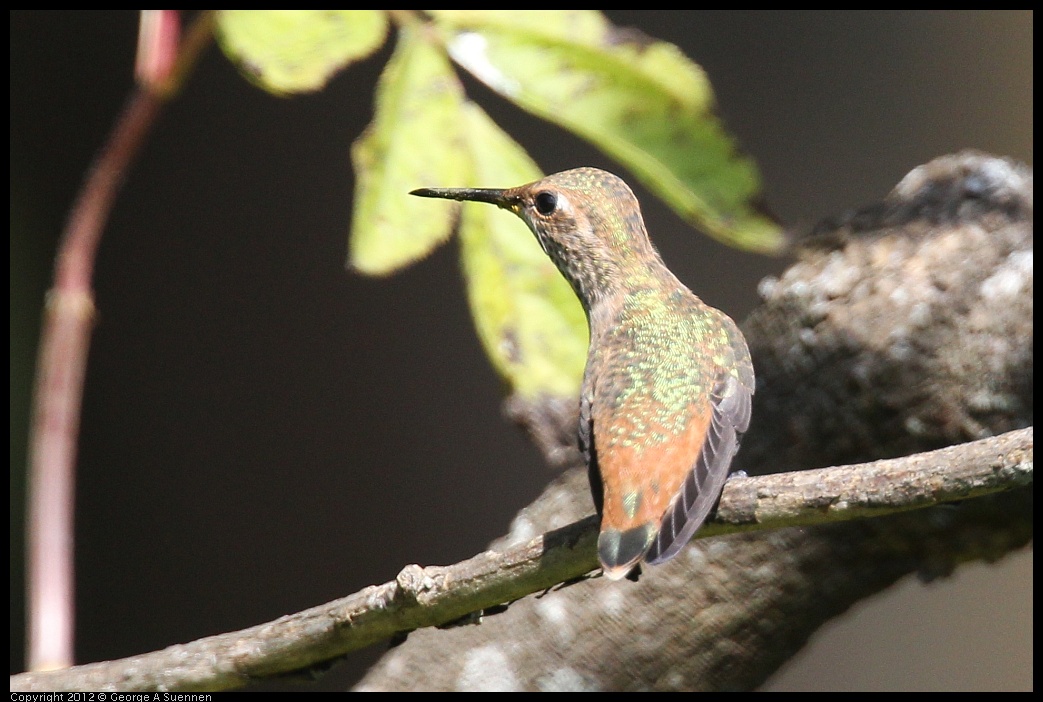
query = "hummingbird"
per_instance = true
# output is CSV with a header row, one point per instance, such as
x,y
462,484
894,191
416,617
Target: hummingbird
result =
x,y
667,387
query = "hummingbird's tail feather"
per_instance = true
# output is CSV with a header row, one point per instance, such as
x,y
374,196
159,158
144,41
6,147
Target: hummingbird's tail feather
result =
x,y
620,551
703,484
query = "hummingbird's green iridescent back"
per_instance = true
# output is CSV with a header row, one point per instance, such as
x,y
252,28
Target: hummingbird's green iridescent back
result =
x,y
668,384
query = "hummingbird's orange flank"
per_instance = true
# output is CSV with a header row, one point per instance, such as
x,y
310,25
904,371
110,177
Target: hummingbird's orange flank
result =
x,y
668,383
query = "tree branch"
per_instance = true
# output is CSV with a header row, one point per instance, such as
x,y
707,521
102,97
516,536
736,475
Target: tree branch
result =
x,y
434,596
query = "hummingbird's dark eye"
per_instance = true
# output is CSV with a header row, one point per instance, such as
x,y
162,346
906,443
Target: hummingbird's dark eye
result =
x,y
546,203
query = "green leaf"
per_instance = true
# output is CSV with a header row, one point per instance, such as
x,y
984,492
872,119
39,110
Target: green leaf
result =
x,y
527,316
640,100
425,134
413,140
293,51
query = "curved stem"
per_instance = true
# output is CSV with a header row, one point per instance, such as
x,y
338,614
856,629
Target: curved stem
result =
x,y
62,361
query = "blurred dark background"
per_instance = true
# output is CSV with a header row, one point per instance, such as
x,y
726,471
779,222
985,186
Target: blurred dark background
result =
x,y
263,431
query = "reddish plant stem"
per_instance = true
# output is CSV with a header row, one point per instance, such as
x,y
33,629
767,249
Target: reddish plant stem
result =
x,y
61,365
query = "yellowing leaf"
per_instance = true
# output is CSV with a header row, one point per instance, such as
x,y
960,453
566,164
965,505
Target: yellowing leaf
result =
x,y
640,100
527,316
413,140
293,51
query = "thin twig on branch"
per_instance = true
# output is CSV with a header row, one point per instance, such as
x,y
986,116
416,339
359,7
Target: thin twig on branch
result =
x,y
433,596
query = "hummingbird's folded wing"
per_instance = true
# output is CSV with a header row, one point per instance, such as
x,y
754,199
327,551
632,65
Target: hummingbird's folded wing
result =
x,y
732,402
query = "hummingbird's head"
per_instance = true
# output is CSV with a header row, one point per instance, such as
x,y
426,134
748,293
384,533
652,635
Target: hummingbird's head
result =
x,y
587,220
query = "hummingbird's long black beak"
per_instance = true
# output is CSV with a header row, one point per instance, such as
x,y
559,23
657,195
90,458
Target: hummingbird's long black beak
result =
x,y
493,197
